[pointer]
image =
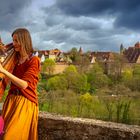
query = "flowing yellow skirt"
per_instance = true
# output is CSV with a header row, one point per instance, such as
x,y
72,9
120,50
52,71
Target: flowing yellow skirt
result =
x,y
21,118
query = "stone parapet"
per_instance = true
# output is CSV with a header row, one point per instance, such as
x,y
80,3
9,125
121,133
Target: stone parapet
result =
x,y
56,127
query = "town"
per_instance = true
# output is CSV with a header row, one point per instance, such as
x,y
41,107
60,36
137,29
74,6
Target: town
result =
x,y
130,56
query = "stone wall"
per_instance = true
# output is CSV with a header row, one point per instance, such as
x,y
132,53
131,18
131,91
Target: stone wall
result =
x,y
59,68
55,127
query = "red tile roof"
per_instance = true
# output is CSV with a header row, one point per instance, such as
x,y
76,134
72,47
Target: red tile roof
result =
x,y
132,53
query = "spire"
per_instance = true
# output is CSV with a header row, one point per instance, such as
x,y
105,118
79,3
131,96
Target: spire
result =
x,y
81,50
121,49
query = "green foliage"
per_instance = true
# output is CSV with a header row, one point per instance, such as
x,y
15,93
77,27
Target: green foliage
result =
x,y
131,78
97,68
126,111
70,79
109,104
73,54
70,93
70,70
86,99
48,66
116,67
81,61
127,75
56,82
75,81
97,78
80,85
134,83
85,103
112,108
136,70
122,110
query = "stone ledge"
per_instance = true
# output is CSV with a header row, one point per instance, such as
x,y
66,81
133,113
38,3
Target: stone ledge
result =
x,y
57,127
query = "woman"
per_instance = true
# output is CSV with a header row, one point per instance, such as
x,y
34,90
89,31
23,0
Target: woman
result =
x,y
20,109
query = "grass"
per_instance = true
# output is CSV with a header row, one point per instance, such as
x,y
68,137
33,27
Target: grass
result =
x,y
124,110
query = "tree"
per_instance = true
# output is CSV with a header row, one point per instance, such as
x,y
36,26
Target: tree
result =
x,y
56,83
127,76
97,78
83,63
75,81
71,69
48,66
85,101
134,83
116,67
73,54
136,70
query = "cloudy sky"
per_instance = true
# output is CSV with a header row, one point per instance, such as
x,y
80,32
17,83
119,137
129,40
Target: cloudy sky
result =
x,y
94,25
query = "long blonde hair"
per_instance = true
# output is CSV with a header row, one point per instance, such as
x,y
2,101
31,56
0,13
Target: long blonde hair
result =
x,y
24,39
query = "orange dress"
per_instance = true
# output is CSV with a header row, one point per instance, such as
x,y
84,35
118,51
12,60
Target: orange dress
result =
x,y
20,109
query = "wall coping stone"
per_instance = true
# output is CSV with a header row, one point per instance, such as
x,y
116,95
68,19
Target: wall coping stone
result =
x,y
89,128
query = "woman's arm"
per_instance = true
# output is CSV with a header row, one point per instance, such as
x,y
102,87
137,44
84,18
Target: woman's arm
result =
x,y
15,80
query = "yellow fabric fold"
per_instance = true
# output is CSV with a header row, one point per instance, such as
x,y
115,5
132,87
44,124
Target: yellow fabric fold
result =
x,y
20,117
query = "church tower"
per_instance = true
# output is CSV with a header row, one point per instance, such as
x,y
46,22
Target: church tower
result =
x,y
121,49
81,50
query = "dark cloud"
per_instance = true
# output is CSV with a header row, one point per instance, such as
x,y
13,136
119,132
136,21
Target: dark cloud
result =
x,y
58,34
129,20
75,23
10,13
90,24
85,7
126,12
81,23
